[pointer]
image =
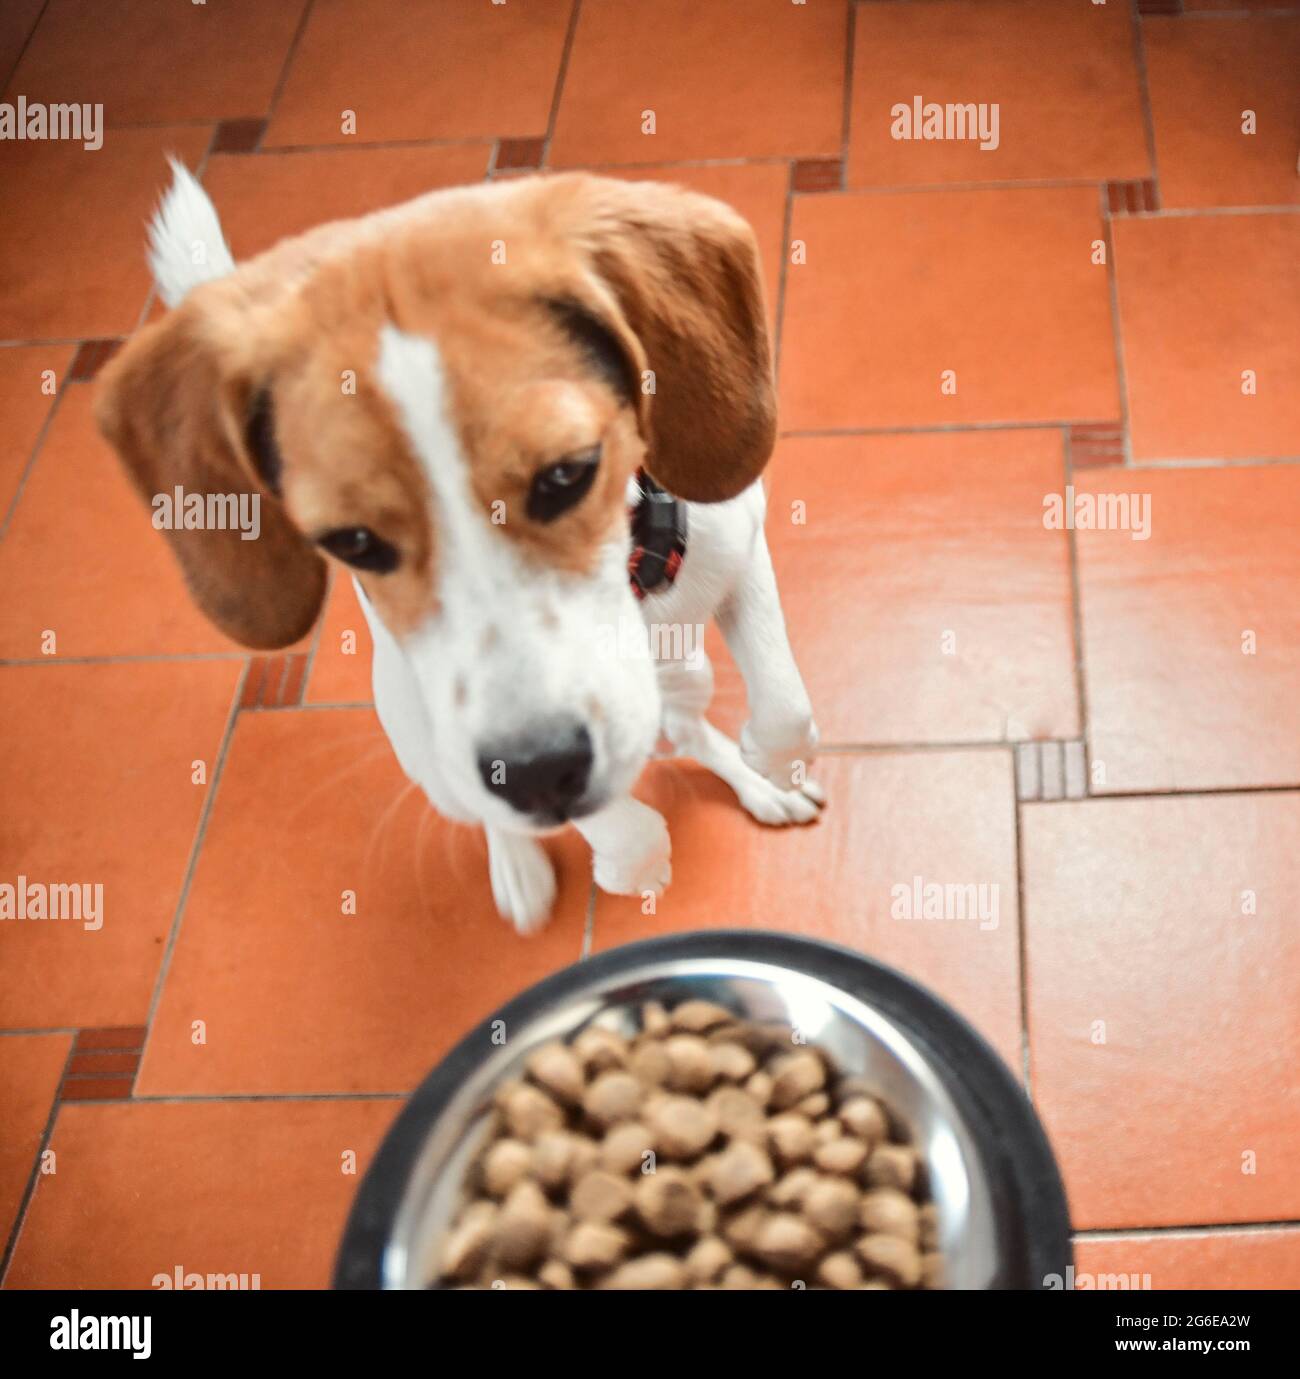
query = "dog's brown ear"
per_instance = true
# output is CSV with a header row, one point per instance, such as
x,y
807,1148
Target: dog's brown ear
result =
x,y
683,270
182,410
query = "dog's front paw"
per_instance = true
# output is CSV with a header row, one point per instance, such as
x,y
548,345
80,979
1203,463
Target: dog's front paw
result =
x,y
523,880
783,754
643,861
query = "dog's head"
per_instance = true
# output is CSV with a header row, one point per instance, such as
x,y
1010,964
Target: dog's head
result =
x,y
449,400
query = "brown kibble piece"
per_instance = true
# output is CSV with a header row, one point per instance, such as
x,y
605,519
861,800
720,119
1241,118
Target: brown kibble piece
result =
x,y
731,1062
739,1115
831,1204
652,1271
506,1163
555,1273
612,1097
683,1127
792,1138
739,1277
625,1147
552,1158
740,1229
739,1170
785,1241
595,1245
815,1106
887,1211
600,1196
668,1203
759,1086
556,1069
690,1066
795,1076
842,1155
600,1050
649,1061
824,1131
695,1017
862,1116
522,1227
932,1274
839,1270
707,1258
928,1216
895,1260
469,1241
791,1189
654,1020
528,1111
892,1165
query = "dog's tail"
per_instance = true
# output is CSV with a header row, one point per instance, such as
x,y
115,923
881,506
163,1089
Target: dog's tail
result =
x,y
186,243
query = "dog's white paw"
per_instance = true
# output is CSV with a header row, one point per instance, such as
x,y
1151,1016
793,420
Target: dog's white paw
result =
x,y
523,880
643,864
782,757
769,804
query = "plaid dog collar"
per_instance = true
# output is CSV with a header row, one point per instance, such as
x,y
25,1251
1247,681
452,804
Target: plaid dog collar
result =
x,y
658,537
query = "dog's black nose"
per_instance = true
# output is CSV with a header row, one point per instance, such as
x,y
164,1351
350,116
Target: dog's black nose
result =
x,y
542,775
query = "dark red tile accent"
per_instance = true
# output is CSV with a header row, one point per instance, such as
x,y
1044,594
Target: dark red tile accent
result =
x,y
97,1064
274,682
96,1089
91,356
294,680
238,136
1160,6
519,154
1131,198
1095,444
120,1038
817,175
253,682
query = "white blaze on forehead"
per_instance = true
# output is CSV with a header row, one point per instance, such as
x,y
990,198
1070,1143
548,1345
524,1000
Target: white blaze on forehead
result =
x,y
412,374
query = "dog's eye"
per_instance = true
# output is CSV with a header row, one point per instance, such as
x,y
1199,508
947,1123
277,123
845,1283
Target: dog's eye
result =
x,y
561,486
361,548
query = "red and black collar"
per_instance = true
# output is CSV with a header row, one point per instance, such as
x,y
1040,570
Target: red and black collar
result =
x,y
658,538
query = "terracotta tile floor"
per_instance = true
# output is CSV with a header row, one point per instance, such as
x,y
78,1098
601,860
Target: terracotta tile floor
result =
x,y
1102,309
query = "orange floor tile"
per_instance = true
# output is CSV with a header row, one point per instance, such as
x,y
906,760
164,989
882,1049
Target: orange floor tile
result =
x,y
222,1182
1095,721
1041,62
927,309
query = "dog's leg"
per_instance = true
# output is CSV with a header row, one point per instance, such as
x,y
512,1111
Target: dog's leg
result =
x,y
686,687
780,738
523,879
630,847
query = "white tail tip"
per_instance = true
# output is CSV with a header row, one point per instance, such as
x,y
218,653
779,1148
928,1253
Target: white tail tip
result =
x,y
186,244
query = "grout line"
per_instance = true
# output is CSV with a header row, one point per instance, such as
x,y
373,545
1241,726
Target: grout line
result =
x,y
562,71
202,1098
1192,793
589,929
1212,1228
1116,330
179,657
846,122
1076,623
30,1192
1022,944
37,446
7,77
283,78
1144,88
200,833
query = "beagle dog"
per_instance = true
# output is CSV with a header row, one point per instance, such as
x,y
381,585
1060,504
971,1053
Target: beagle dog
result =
x,y
529,419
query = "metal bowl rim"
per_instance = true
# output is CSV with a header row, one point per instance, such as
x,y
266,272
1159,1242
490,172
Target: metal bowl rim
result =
x,y
1015,1149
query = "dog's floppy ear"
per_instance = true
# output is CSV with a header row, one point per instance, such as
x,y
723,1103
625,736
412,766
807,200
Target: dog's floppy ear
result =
x,y
681,272
182,409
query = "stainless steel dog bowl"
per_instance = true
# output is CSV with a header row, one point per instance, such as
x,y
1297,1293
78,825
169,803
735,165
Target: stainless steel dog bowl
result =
x,y
1003,1221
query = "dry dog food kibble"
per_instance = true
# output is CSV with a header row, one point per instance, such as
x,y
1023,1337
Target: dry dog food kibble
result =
x,y
704,1152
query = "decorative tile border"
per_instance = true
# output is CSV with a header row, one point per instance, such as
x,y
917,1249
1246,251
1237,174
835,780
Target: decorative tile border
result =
x,y
274,682
1051,771
1132,198
237,136
1094,444
515,155
103,1064
91,356
817,175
